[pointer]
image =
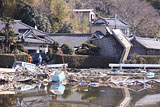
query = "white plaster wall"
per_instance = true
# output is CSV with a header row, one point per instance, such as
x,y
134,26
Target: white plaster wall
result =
x,y
37,48
98,28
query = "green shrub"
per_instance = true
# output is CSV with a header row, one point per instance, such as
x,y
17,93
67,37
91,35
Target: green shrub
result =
x,y
85,52
67,49
12,34
144,59
149,59
55,46
88,49
49,54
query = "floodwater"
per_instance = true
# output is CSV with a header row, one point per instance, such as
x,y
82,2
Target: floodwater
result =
x,y
58,95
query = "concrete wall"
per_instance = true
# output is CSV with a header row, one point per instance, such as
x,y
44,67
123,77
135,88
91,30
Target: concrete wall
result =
x,y
85,61
125,30
153,52
110,47
138,49
81,15
7,60
36,48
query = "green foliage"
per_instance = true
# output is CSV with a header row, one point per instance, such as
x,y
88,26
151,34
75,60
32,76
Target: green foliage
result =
x,y
67,49
7,21
8,32
60,13
88,49
82,52
31,16
75,23
49,16
144,59
50,54
66,28
55,47
102,7
12,34
78,4
21,47
17,48
84,26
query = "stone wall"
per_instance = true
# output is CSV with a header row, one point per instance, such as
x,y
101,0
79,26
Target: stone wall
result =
x,y
7,60
85,61
110,47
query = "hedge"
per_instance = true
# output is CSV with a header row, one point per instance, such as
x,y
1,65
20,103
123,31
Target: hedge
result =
x,y
150,59
7,60
85,61
144,59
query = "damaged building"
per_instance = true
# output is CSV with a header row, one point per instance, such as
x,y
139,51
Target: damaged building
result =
x,y
113,44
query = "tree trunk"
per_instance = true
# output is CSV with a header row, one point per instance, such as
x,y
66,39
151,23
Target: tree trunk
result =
x,y
1,8
6,44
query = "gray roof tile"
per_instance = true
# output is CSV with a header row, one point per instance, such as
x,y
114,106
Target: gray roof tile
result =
x,y
111,22
73,39
150,43
20,28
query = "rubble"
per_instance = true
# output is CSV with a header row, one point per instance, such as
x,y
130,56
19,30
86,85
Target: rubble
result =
x,y
75,77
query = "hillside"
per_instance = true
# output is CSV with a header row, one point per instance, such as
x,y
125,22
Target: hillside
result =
x,y
143,16
55,16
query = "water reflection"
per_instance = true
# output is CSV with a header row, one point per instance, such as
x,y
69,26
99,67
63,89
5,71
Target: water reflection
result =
x,y
57,89
27,95
57,95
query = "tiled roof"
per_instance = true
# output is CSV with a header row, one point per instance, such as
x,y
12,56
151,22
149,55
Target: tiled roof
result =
x,y
73,39
83,10
117,22
150,43
99,34
22,29
110,22
20,25
30,40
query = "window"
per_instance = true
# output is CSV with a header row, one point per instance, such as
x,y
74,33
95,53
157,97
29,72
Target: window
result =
x,y
28,66
33,67
124,31
31,36
31,51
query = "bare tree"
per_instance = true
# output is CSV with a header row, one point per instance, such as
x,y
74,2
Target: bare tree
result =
x,y
102,7
7,30
142,17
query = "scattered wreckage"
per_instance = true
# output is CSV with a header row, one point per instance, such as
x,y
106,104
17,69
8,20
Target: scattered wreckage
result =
x,y
28,72
24,72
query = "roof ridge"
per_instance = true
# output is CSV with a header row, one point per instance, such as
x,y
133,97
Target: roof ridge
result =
x,y
31,27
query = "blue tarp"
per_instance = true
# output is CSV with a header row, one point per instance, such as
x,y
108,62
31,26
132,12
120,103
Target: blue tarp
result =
x,y
58,76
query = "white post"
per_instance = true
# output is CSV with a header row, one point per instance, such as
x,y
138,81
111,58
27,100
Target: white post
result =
x,y
120,67
144,67
37,50
111,67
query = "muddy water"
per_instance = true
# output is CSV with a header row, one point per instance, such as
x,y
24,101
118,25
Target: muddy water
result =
x,y
58,95
50,96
